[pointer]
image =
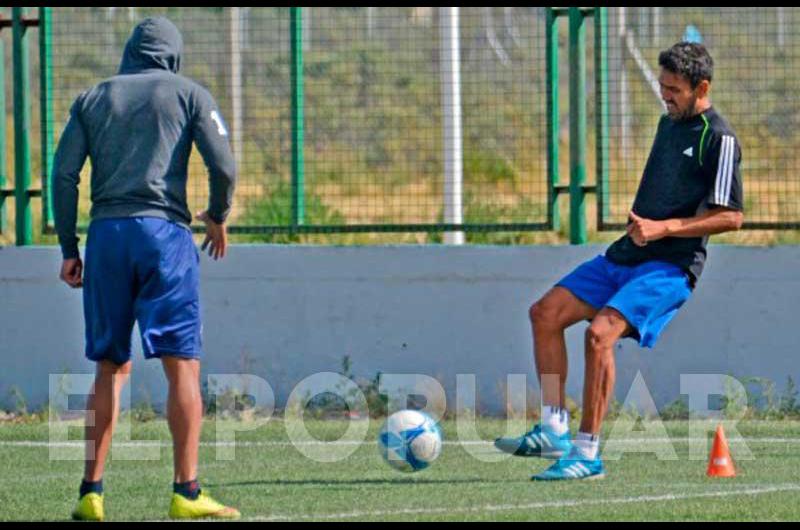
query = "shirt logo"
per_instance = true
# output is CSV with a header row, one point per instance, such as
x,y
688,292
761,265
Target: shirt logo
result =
x,y
689,152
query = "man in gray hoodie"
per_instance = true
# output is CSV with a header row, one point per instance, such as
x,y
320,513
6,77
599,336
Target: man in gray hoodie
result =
x,y
137,128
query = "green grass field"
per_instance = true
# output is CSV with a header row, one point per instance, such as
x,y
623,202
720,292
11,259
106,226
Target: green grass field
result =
x,y
271,480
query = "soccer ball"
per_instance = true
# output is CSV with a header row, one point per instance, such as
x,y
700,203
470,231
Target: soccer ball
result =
x,y
410,441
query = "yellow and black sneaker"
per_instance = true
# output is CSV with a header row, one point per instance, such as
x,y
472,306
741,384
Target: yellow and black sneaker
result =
x,y
89,508
204,507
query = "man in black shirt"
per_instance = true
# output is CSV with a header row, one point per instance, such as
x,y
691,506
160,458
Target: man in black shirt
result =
x,y
690,190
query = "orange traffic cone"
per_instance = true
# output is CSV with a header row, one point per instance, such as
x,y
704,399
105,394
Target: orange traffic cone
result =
x,y
721,463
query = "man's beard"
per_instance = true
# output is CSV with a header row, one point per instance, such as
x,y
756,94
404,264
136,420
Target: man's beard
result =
x,y
688,113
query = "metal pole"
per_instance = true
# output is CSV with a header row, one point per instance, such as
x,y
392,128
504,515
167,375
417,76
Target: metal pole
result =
x,y
577,112
554,121
109,31
601,122
626,121
452,114
370,22
298,162
642,30
22,152
235,41
3,168
46,111
656,25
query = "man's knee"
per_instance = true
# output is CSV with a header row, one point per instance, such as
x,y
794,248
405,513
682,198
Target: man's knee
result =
x,y
544,315
599,340
604,332
180,370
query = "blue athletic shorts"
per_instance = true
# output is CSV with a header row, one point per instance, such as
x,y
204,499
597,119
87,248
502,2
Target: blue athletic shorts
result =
x,y
146,270
647,295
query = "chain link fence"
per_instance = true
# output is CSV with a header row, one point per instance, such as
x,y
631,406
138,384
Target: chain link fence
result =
x,y
757,72
379,118
373,102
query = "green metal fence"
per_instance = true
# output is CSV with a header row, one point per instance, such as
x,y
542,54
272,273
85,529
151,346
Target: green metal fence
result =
x,y
347,119
17,25
336,112
4,193
757,74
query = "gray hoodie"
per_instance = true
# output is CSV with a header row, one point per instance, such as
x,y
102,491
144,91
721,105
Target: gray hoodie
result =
x,y
137,128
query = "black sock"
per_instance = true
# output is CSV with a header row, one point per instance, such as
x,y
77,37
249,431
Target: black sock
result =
x,y
190,490
91,487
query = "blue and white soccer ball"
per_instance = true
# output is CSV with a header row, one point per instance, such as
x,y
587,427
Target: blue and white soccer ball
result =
x,y
410,441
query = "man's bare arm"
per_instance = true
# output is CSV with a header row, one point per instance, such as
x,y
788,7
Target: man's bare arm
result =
x,y
716,221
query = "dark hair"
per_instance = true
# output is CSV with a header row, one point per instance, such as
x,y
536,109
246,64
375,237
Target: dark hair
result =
x,y
689,59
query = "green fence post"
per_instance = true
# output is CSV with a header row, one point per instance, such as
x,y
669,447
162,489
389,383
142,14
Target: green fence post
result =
x,y
22,152
577,114
298,132
553,122
46,111
2,138
602,130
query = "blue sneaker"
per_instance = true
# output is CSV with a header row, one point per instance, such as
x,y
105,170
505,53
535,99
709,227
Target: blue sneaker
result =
x,y
573,466
541,442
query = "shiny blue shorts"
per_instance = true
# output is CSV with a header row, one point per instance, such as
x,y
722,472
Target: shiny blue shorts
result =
x,y
647,295
146,270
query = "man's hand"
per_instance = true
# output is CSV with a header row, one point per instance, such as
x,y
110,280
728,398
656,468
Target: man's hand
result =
x,y
216,237
72,272
643,231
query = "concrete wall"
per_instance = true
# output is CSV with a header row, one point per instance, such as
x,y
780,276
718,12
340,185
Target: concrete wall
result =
x,y
284,313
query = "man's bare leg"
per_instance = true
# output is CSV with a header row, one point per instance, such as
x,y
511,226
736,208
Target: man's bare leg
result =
x,y
103,405
607,328
184,414
550,316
